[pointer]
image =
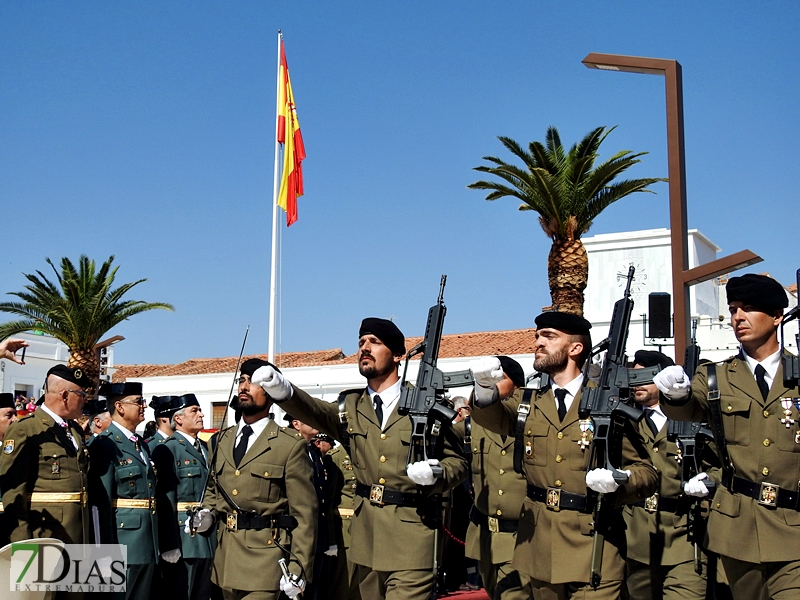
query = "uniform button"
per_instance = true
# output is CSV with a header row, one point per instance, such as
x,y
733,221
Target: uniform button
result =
x,y
122,524
655,449
529,432
499,513
499,492
559,458
180,522
383,436
501,471
558,483
269,542
503,452
766,442
266,473
560,435
475,449
235,492
381,481
383,459
766,414
718,505
350,430
729,408
765,471
237,472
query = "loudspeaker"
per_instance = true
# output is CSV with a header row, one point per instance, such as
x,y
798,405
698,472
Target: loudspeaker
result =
x,y
660,315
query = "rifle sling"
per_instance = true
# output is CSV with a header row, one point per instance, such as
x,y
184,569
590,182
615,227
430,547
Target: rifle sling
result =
x,y
523,410
717,426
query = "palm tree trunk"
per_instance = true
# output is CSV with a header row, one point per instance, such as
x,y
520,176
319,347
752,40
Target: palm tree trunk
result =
x,y
567,273
86,360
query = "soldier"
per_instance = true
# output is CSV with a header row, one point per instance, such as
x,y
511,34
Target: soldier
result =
x,y
554,541
262,495
8,412
182,466
44,464
163,407
396,503
754,518
123,487
345,582
660,558
499,493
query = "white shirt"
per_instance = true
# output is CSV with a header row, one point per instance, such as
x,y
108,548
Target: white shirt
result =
x,y
770,365
131,436
59,422
573,387
658,416
257,428
389,399
162,434
193,439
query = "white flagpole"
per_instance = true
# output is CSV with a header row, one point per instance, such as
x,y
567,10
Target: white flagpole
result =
x,y
273,280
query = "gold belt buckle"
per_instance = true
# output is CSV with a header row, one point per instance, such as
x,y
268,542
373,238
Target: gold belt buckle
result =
x,y
768,495
651,503
376,494
232,522
494,525
553,499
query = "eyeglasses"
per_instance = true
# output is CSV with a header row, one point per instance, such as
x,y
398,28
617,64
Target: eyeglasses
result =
x,y
80,393
139,401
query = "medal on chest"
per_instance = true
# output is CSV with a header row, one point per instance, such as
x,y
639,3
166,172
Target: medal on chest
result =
x,y
787,419
587,433
56,467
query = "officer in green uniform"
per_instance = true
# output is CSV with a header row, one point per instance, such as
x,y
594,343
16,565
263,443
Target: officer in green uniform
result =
x,y
44,465
660,558
554,539
123,487
263,498
163,408
754,523
346,582
182,466
498,496
391,532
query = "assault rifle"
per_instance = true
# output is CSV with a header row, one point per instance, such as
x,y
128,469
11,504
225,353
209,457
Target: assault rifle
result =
x,y
692,439
606,406
791,363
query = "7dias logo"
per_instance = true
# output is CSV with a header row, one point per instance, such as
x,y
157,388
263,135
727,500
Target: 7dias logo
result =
x,y
49,566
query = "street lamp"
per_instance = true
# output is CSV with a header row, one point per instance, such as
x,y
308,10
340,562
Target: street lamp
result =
x,y
682,275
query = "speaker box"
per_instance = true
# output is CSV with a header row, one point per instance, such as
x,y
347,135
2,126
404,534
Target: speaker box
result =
x,y
660,315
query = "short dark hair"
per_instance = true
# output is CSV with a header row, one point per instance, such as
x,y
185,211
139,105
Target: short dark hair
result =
x,y
586,340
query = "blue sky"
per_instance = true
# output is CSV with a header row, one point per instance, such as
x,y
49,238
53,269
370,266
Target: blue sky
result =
x,y
145,130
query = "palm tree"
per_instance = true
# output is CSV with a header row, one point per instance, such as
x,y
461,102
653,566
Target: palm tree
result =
x,y
78,311
568,191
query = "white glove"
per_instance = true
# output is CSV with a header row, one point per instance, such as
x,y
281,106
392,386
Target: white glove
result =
x,y
695,486
171,556
332,550
272,382
421,472
202,521
602,481
294,586
673,382
487,371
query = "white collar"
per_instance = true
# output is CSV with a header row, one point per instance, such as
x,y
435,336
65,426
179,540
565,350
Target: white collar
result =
x,y
770,364
128,434
53,415
187,436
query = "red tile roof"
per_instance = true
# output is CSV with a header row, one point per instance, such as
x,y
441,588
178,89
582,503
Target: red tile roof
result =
x,y
517,341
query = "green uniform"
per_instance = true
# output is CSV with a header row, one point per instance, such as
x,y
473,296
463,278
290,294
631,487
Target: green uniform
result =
x,y
759,545
345,582
273,479
43,479
182,471
554,547
390,542
123,488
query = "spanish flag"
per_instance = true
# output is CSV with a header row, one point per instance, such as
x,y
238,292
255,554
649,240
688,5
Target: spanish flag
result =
x,y
293,151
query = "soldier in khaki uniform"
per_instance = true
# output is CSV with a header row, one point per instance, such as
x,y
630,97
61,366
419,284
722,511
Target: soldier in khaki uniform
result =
x,y
44,465
262,495
396,503
754,523
660,558
8,414
499,493
554,542
347,586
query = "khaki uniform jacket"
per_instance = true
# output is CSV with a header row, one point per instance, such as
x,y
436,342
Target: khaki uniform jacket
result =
x,y
380,457
762,450
273,478
39,458
499,493
556,547
344,465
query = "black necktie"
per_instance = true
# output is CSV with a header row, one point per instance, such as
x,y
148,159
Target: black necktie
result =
x,y
241,448
648,418
561,394
762,383
378,409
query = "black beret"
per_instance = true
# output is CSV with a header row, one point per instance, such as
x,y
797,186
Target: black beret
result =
x,y
289,418
513,369
651,358
7,401
187,400
128,388
760,291
386,331
76,375
164,406
566,322
251,365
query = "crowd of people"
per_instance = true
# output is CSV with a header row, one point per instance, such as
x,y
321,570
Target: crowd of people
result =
x,y
327,503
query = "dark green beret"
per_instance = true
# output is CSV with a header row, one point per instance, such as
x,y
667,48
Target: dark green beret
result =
x,y
651,358
386,331
72,374
760,291
513,369
566,322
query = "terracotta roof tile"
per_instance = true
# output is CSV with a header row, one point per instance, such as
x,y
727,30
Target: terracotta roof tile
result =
x,y
517,341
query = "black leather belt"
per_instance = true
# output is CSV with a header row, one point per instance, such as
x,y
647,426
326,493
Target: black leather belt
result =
x,y
236,521
493,524
380,495
767,494
556,499
671,504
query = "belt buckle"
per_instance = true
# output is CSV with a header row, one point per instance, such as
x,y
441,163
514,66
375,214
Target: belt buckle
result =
x,y
553,499
376,494
232,522
768,494
651,503
494,525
